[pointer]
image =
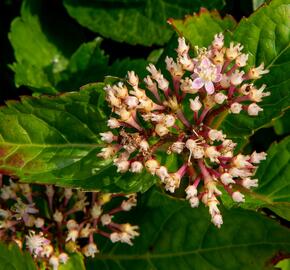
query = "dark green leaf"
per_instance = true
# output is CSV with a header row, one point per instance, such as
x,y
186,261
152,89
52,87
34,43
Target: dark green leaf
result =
x,y
136,22
13,259
175,236
56,139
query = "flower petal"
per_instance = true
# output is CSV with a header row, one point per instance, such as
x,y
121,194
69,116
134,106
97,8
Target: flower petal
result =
x,y
209,87
197,83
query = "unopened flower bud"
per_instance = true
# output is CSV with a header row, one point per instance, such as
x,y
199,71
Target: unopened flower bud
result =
x,y
238,197
195,104
254,109
236,108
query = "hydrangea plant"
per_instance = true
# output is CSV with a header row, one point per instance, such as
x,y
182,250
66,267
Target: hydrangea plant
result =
x,y
157,163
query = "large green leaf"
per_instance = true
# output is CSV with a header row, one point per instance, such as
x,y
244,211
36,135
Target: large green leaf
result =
x,y
56,139
13,259
271,45
175,236
136,22
49,60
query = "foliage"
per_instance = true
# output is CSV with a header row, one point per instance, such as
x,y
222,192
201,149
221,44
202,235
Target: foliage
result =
x,y
62,58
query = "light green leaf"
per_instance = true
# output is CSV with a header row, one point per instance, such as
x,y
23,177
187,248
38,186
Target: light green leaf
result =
x,y
211,23
13,259
56,140
135,22
175,236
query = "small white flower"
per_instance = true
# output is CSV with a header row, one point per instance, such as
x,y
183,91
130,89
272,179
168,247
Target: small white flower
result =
x,y
115,237
128,204
212,153
216,135
249,183
132,102
227,179
182,47
237,77
254,109
177,147
169,120
90,250
72,235
136,167
233,51
195,104
218,41
58,216
194,202
191,191
96,210
255,73
144,145
107,137
161,130
162,173
113,123
238,197
54,262
256,95
257,157
72,225
154,72
219,98
133,79
236,108
36,243
242,59
63,258
152,165
217,220
106,219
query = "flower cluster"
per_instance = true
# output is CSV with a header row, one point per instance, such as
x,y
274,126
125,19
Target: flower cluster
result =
x,y
177,114
53,222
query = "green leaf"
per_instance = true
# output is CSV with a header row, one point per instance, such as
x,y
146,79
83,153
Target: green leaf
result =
x,y
175,236
281,125
211,23
13,259
59,63
42,46
135,22
271,45
55,140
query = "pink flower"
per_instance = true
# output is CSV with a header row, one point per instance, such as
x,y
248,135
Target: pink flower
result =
x,y
205,74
